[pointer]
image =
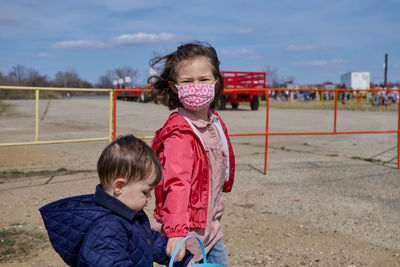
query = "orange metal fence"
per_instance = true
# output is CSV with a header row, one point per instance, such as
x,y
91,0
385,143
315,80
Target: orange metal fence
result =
x,y
267,133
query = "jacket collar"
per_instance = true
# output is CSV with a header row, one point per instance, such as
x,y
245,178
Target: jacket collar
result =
x,y
113,204
175,122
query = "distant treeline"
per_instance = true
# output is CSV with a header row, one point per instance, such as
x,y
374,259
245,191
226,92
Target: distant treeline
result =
x,y
20,75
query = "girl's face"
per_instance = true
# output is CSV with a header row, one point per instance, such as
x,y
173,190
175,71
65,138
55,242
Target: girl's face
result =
x,y
195,71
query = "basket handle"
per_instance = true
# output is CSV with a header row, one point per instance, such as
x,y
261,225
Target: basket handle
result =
x,y
171,262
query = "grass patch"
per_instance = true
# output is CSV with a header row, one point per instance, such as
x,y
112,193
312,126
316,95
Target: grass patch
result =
x,y
9,175
6,243
18,173
367,159
4,107
19,244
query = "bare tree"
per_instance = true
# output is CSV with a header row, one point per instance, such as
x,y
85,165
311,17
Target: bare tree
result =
x,y
21,75
6,80
33,78
18,73
272,76
121,73
67,79
85,84
290,79
104,82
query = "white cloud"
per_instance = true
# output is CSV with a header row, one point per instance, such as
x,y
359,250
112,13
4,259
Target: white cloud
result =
x,y
245,30
310,63
316,63
246,53
124,39
124,5
79,44
301,48
142,38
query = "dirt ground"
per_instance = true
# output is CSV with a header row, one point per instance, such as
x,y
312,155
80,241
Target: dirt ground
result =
x,y
325,201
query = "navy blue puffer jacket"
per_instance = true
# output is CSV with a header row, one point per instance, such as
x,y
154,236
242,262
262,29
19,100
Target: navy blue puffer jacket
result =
x,y
99,230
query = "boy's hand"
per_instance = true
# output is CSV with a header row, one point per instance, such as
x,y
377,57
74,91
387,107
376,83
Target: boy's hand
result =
x,y
191,262
172,244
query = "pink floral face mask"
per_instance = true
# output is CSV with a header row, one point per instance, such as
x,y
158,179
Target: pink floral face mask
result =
x,y
196,96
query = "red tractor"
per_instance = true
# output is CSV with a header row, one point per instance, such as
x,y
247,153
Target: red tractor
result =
x,y
242,86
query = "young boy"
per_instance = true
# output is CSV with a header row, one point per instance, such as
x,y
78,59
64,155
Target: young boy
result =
x,y
110,228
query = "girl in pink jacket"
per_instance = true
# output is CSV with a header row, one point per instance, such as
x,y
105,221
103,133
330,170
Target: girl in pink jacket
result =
x,y
194,149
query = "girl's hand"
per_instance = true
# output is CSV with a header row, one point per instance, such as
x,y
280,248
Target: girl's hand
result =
x,y
172,244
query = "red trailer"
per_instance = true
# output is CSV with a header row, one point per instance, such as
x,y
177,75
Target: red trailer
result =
x,y
133,94
248,82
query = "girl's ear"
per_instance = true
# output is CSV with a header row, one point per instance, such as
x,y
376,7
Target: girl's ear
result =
x,y
118,186
171,85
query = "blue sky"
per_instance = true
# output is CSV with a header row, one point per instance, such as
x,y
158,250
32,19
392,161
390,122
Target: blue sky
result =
x,y
313,40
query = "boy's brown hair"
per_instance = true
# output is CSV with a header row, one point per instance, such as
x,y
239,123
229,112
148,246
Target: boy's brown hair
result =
x,y
130,158
160,90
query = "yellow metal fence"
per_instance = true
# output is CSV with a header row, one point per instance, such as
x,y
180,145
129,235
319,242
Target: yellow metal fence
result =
x,y
37,91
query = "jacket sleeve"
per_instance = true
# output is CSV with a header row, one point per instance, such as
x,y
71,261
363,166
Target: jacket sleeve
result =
x,y
177,160
105,245
159,255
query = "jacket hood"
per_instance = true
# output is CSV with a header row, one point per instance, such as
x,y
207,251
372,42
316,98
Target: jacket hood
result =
x,y
67,221
174,123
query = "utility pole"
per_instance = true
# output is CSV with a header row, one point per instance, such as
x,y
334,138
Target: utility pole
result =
x,y
386,68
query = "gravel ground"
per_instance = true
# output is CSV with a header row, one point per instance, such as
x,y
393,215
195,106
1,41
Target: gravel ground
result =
x,y
325,201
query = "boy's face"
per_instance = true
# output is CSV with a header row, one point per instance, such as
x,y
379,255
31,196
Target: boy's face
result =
x,y
136,194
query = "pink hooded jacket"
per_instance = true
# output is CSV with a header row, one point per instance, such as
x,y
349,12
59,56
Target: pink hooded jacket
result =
x,y
182,194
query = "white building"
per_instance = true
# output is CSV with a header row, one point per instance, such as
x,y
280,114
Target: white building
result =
x,y
356,80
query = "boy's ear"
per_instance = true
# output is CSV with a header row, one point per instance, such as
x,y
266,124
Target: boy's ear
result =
x,y
171,85
118,186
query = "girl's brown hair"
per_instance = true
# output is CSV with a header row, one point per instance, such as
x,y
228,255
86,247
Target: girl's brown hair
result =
x,y
160,90
130,158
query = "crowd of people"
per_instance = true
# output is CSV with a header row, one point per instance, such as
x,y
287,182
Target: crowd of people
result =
x,y
383,96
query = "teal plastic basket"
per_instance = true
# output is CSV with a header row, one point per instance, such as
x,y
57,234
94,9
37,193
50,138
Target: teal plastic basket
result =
x,y
204,264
